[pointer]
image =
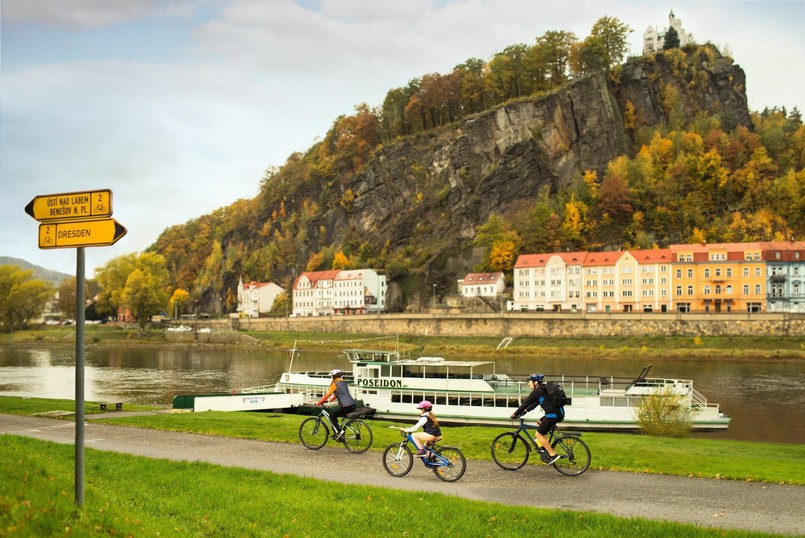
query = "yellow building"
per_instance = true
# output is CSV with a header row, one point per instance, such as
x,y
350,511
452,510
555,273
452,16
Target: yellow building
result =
x,y
718,277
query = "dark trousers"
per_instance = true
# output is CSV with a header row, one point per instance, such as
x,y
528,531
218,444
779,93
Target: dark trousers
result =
x,y
340,412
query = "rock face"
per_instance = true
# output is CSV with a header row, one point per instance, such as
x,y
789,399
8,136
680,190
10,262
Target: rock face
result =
x,y
436,188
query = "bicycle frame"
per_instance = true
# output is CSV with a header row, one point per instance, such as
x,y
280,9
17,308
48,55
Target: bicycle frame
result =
x,y
432,459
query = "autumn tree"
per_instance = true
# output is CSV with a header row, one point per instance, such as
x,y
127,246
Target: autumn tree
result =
x,y
178,302
22,297
118,290
612,34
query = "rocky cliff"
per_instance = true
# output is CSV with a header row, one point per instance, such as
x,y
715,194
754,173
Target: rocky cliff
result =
x,y
435,189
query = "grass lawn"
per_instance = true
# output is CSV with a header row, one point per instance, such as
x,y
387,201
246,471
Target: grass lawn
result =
x,y
707,458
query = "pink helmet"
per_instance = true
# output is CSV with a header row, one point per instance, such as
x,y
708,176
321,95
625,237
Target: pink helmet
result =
x,y
424,404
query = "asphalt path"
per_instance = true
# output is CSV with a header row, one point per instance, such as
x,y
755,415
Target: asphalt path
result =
x,y
724,504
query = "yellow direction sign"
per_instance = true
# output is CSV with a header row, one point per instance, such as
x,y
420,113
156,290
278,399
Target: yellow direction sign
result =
x,y
83,233
71,205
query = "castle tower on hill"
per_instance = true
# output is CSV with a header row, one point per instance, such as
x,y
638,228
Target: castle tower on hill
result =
x,y
653,39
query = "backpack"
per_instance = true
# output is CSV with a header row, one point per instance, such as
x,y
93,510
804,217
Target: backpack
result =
x,y
557,394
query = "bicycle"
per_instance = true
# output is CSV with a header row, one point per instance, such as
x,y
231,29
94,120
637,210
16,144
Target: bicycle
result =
x,y
446,462
355,433
511,450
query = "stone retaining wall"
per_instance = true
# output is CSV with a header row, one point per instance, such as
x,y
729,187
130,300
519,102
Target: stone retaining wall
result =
x,y
499,325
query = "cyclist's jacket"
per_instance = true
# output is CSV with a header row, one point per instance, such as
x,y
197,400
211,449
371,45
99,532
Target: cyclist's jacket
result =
x,y
341,391
539,397
426,423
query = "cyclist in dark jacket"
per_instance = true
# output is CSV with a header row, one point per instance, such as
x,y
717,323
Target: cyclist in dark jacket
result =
x,y
338,390
553,414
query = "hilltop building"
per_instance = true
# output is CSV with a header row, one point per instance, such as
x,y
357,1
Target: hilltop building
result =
x,y
653,39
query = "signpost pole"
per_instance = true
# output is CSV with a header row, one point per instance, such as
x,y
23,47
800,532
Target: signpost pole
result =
x,y
79,377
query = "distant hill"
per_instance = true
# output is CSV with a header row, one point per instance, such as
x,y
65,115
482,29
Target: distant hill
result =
x,y
39,272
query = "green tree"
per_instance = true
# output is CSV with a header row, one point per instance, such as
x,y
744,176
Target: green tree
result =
x,y
552,52
144,295
671,40
22,298
67,299
116,292
612,34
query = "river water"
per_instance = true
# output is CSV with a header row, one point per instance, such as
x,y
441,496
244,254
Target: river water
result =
x,y
765,399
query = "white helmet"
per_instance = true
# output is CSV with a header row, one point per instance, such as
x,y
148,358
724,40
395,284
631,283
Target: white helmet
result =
x,y
336,373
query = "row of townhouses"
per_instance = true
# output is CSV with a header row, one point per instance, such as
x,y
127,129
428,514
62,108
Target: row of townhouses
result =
x,y
719,277
725,277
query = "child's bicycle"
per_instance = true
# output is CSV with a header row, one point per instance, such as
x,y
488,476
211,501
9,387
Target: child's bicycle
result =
x,y
510,450
355,433
446,462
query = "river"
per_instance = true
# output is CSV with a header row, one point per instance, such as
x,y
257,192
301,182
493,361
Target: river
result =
x,y
764,398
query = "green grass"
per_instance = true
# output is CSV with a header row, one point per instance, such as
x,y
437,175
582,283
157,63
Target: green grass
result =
x,y
15,405
135,496
707,458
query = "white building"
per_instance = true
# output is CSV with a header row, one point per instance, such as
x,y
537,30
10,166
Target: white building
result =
x,y
256,298
327,293
482,285
548,282
653,39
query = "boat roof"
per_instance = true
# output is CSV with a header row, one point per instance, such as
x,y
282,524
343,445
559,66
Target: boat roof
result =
x,y
443,363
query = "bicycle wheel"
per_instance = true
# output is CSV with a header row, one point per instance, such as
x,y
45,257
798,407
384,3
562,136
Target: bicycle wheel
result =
x,y
455,466
510,451
357,436
575,455
397,459
313,433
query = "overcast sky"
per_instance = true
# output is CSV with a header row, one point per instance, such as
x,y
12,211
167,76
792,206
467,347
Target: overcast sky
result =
x,y
179,106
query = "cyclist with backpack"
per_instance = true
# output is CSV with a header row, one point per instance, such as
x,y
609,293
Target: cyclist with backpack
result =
x,y
346,403
554,414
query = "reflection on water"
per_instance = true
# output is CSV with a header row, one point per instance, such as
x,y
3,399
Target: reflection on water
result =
x,y
765,399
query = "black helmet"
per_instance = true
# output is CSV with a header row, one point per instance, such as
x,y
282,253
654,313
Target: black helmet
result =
x,y
536,378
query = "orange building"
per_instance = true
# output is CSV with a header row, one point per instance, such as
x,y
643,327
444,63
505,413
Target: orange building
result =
x,y
719,277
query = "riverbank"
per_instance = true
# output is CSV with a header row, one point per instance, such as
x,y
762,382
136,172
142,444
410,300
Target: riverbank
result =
x,y
704,458
788,348
181,488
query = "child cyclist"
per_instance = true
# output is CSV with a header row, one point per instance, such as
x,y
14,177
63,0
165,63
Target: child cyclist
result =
x,y
432,432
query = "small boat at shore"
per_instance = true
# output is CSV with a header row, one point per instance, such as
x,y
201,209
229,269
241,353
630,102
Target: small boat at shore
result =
x,y
472,392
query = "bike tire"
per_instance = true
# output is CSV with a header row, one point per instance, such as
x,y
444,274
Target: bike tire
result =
x,y
357,436
313,433
575,455
510,451
398,460
455,466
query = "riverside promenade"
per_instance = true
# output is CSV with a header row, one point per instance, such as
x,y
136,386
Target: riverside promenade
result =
x,y
723,504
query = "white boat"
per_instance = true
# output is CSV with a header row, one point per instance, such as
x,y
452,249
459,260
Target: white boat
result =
x,y
472,392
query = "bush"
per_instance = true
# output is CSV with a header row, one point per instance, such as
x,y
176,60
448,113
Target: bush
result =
x,y
664,414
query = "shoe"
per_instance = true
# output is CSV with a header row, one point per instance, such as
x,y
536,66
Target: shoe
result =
x,y
553,459
421,454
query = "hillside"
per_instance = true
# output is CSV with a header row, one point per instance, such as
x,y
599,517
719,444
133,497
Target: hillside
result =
x,y
539,172
39,273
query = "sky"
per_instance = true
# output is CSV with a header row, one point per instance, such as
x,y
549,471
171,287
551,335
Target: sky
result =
x,y
179,107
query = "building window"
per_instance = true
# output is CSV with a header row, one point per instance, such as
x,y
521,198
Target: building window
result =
x,y
707,290
690,290
690,273
679,290
707,273
729,272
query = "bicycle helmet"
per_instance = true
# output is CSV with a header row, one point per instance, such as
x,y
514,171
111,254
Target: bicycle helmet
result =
x,y
336,373
536,378
424,404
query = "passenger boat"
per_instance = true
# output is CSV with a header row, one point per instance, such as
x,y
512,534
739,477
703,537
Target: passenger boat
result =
x,y
472,392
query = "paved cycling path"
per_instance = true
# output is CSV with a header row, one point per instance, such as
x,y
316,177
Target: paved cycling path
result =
x,y
707,503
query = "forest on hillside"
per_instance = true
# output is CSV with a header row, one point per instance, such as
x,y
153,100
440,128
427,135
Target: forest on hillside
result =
x,y
686,181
